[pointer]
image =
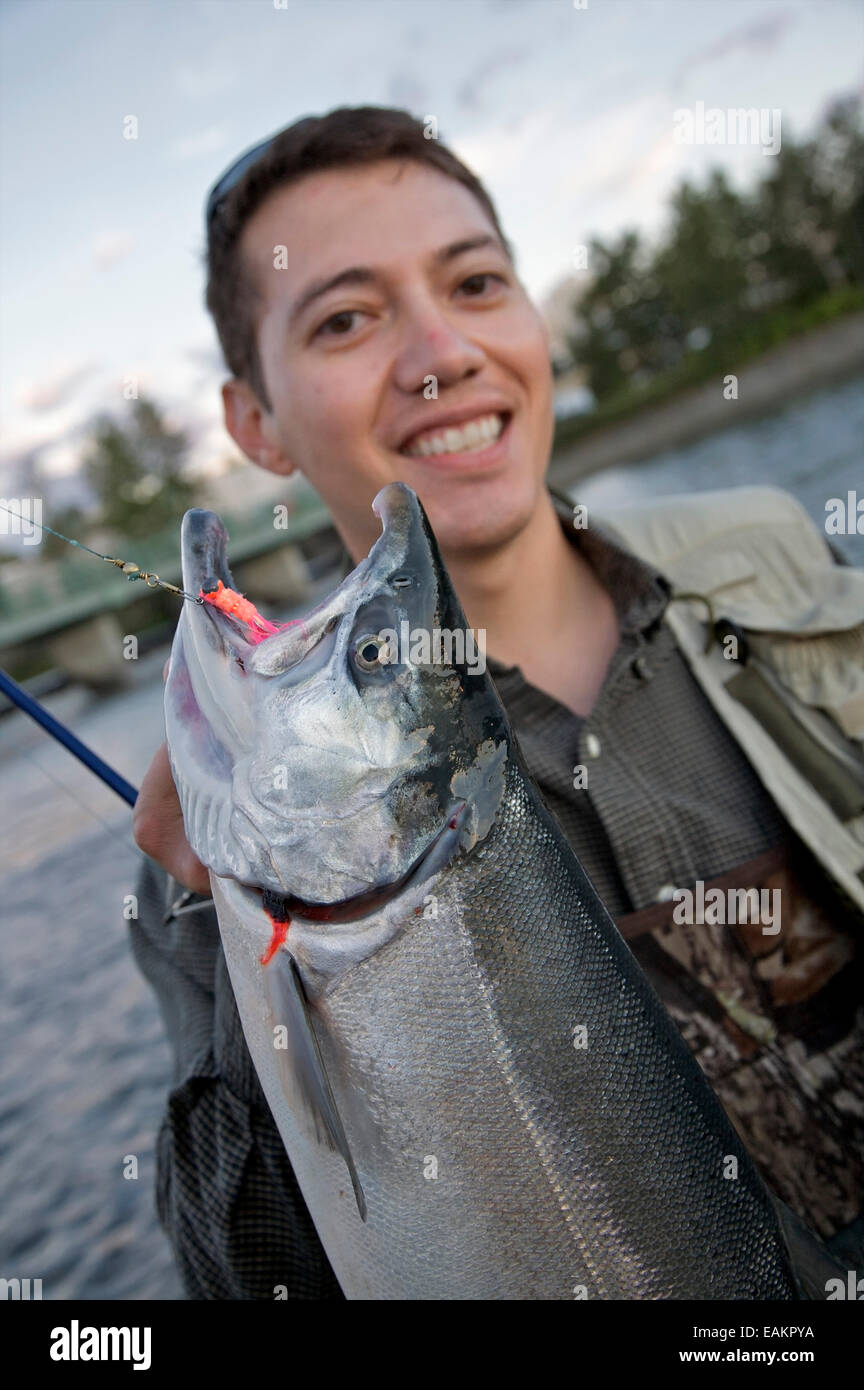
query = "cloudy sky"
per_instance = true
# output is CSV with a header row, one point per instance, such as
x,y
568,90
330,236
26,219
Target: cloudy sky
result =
x,y
566,113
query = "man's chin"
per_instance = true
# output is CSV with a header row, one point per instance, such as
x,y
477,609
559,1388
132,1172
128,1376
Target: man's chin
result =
x,y
479,514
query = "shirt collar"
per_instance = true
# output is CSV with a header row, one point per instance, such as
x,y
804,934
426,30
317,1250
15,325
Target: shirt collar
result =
x,y
639,591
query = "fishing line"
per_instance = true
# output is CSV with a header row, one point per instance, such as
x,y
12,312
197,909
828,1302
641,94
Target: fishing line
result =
x,y
65,736
131,570
53,726
20,697
113,830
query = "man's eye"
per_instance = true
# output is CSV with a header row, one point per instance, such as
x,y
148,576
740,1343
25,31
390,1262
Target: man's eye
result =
x,y
482,276
338,320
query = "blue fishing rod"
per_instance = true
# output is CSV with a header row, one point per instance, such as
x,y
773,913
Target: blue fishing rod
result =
x,y
65,736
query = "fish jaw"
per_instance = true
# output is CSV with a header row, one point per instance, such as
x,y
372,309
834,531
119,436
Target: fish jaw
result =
x,y
300,772
328,940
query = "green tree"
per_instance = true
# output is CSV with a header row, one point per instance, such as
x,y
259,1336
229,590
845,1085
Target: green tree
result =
x,y
810,206
727,260
703,262
841,166
136,471
628,328
69,521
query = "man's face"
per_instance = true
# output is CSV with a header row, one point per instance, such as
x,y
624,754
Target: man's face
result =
x,y
353,372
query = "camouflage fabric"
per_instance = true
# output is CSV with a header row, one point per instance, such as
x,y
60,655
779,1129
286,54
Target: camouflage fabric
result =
x,y
777,1025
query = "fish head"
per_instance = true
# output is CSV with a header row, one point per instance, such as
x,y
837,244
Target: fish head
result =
x,y
330,760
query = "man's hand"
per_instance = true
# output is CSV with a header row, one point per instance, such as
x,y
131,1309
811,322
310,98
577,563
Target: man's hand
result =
x,y
157,824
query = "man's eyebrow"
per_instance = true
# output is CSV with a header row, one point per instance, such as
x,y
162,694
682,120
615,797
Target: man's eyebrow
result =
x,y
458,248
364,275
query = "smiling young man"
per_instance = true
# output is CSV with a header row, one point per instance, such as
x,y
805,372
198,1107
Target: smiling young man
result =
x,y
375,328
397,317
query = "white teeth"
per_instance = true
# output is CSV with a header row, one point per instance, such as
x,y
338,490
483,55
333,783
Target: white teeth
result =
x,y
474,434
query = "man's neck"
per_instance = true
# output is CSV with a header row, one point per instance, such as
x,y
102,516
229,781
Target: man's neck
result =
x,y
543,609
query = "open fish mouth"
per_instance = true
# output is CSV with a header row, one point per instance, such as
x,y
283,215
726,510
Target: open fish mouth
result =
x,y
310,767
266,647
287,908
233,616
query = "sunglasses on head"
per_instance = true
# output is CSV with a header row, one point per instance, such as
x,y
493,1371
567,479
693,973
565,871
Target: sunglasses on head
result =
x,y
232,176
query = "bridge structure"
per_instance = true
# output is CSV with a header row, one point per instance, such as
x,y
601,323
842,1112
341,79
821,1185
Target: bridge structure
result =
x,y
82,632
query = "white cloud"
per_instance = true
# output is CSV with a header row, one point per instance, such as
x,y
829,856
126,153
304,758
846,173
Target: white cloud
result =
x,y
203,142
558,175
758,40
204,79
111,247
52,392
60,460
19,444
469,92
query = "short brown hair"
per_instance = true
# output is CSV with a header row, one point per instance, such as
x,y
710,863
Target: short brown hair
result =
x,y
348,135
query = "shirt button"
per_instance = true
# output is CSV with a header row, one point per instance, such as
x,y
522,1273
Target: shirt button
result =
x,y
642,669
592,745
666,893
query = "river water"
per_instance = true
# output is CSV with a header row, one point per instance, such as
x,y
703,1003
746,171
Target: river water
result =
x,y
87,1067
814,449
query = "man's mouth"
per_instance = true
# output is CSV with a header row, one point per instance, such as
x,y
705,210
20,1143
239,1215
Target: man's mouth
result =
x,y
468,438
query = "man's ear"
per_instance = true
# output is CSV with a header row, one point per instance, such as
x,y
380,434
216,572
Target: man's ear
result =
x,y
250,427
275,461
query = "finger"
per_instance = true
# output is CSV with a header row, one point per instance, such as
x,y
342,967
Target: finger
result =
x,y
158,826
192,873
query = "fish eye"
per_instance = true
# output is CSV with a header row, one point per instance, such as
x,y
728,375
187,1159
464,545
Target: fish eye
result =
x,y
368,652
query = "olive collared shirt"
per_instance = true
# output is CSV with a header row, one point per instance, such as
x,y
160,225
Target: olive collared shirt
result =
x,y
665,796
653,794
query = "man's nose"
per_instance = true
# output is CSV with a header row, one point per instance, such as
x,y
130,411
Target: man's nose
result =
x,y
432,345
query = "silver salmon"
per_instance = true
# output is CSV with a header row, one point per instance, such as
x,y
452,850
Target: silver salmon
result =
x,y
479,1092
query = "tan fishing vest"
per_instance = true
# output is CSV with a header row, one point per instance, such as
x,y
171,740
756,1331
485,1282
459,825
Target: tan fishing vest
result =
x,y
773,630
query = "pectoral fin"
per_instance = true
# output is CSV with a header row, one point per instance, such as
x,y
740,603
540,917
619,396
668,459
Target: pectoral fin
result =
x,y
301,1066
